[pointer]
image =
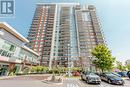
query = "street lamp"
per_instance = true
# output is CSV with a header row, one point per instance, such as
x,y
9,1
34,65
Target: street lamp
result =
x,y
90,63
69,73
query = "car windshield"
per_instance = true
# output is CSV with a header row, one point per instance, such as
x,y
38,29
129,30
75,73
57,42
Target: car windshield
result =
x,y
115,73
112,75
90,73
125,72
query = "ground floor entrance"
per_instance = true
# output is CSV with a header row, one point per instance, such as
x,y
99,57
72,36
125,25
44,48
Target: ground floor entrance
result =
x,y
9,68
4,70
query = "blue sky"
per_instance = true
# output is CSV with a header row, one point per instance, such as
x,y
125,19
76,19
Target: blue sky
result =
x,y
114,16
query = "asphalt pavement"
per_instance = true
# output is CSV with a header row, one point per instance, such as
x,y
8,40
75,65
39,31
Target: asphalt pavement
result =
x,y
67,82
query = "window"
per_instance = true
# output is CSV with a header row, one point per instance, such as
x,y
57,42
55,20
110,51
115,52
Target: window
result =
x,y
12,48
86,16
6,53
9,47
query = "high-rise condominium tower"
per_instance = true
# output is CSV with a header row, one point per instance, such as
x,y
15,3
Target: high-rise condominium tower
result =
x,y
64,34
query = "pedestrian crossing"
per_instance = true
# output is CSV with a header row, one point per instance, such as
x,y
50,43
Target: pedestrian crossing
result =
x,y
72,78
26,78
72,85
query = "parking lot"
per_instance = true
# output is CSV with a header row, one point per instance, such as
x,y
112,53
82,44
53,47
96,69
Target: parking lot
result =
x,y
79,83
37,81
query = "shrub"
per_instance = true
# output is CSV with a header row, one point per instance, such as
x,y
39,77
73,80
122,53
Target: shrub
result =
x,y
39,69
26,70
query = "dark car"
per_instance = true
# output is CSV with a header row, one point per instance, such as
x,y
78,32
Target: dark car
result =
x,y
128,74
115,73
90,77
123,74
112,79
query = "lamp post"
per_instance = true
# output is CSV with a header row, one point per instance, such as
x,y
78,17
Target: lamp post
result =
x,y
90,63
69,72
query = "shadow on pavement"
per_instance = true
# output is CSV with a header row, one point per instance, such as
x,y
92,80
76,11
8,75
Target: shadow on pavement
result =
x,y
87,83
111,84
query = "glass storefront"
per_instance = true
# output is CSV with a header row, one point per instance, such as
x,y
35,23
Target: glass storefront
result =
x,y
29,56
4,70
13,51
10,53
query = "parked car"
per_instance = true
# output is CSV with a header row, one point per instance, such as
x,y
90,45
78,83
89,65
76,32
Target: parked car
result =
x,y
123,73
97,73
115,73
128,74
112,79
90,77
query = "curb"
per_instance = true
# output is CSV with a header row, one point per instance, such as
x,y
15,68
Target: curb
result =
x,y
49,82
6,77
53,82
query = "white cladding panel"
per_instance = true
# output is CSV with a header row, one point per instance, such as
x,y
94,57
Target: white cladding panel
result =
x,y
9,37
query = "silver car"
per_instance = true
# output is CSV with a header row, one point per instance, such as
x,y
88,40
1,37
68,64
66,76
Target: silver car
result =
x,y
90,77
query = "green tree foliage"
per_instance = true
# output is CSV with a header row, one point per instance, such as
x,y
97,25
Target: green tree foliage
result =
x,y
39,69
103,57
26,70
76,69
128,66
120,66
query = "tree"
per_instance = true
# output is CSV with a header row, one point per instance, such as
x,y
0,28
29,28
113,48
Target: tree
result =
x,y
120,66
128,66
103,57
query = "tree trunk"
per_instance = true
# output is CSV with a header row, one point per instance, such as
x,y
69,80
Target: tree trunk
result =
x,y
102,70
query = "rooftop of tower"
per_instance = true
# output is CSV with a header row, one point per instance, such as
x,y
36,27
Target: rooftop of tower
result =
x,y
58,3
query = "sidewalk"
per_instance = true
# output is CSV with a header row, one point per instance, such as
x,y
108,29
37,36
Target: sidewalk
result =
x,y
5,77
55,82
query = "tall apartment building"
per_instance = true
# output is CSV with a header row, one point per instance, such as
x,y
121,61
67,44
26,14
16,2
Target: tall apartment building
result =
x,y
62,33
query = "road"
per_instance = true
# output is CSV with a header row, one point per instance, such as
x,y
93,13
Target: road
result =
x,y
67,82
70,82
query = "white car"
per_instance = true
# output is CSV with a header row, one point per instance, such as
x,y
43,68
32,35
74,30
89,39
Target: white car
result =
x,y
90,77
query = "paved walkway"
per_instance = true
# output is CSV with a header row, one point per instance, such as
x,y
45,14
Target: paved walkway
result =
x,y
26,77
6,77
37,81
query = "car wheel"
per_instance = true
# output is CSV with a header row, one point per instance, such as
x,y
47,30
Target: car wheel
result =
x,y
123,83
109,81
86,80
82,77
99,83
129,77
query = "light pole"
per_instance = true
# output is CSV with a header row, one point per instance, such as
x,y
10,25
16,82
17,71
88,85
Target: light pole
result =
x,y
90,63
69,66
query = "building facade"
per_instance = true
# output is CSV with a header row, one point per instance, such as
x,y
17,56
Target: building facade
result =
x,y
89,33
14,55
62,33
